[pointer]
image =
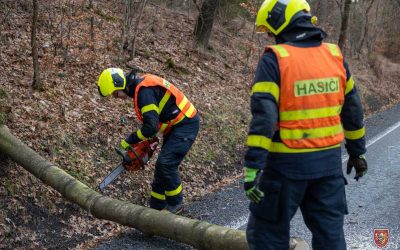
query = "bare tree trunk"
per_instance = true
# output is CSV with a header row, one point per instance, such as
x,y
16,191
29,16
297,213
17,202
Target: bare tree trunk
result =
x,y
205,23
92,32
344,25
317,10
129,5
66,47
376,29
138,19
91,26
246,66
36,83
365,30
200,234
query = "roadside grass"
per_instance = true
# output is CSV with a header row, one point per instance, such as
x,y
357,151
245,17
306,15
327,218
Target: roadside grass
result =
x,y
222,136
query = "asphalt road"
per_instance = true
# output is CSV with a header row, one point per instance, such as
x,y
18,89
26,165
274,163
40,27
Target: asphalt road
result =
x,y
374,201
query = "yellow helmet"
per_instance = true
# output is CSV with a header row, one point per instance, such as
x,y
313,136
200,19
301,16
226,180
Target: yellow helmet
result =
x,y
110,80
275,15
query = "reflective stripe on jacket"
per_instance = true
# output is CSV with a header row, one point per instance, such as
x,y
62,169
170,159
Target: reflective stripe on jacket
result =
x,y
312,89
185,106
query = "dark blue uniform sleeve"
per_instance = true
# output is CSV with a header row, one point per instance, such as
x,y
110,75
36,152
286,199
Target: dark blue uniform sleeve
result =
x,y
264,109
353,118
148,107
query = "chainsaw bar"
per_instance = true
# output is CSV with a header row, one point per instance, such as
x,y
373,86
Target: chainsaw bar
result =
x,y
111,177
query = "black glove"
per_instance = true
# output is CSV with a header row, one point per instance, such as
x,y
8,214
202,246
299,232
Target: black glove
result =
x,y
360,165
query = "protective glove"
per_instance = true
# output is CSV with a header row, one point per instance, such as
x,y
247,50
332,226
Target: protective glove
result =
x,y
125,145
250,185
360,165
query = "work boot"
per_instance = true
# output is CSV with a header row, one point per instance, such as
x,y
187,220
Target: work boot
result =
x,y
175,209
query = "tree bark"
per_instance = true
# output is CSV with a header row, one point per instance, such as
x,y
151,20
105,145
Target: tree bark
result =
x,y
344,25
376,26
36,83
138,19
199,234
128,10
205,23
365,30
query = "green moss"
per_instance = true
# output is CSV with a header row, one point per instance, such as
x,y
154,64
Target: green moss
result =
x,y
3,94
169,63
3,118
105,16
10,187
4,107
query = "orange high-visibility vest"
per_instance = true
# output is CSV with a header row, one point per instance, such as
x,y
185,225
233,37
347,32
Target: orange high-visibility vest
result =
x,y
313,82
185,106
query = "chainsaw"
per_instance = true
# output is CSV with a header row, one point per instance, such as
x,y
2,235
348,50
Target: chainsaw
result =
x,y
133,159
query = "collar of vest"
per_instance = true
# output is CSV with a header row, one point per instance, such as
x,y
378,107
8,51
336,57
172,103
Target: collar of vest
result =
x,y
132,81
301,31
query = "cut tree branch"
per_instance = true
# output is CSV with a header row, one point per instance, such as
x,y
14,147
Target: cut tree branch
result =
x,y
199,234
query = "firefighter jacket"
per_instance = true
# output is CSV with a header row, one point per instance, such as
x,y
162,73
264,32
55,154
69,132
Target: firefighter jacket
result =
x,y
304,103
158,105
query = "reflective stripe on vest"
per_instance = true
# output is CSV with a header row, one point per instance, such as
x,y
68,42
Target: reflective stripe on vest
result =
x,y
279,147
185,106
313,84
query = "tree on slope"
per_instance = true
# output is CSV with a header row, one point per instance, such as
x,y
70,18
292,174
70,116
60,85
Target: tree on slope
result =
x,y
205,23
36,73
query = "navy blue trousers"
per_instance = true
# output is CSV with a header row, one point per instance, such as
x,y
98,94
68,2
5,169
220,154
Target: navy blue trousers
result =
x,y
166,186
322,202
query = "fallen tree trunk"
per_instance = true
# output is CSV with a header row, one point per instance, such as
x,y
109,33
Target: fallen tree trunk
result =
x,y
200,234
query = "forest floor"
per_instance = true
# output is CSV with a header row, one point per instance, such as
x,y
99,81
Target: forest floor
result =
x,y
70,125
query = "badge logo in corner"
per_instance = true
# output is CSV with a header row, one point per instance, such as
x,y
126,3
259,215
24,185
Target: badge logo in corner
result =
x,y
381,237
167,84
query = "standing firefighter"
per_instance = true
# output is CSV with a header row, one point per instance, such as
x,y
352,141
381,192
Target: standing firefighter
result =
x,y
162,108
303,104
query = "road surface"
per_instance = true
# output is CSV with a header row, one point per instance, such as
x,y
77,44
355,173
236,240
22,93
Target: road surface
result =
x,y
374,201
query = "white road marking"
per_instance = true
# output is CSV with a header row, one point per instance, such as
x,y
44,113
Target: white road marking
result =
x,y
243,220
385,133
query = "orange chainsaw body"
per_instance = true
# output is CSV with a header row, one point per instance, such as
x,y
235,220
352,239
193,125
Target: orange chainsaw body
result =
x,y
140,153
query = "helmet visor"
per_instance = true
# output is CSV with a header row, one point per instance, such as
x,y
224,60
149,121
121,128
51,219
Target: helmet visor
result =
x,y
118,81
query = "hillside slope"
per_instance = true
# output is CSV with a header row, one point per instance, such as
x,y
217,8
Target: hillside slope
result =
x,y
69,124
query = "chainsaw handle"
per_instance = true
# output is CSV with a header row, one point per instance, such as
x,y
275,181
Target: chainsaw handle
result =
x,y
119,151
124,155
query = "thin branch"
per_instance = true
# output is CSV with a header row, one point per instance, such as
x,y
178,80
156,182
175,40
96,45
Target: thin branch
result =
x,y
246,66
5,18
138,19
197,3
339,4
366,26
